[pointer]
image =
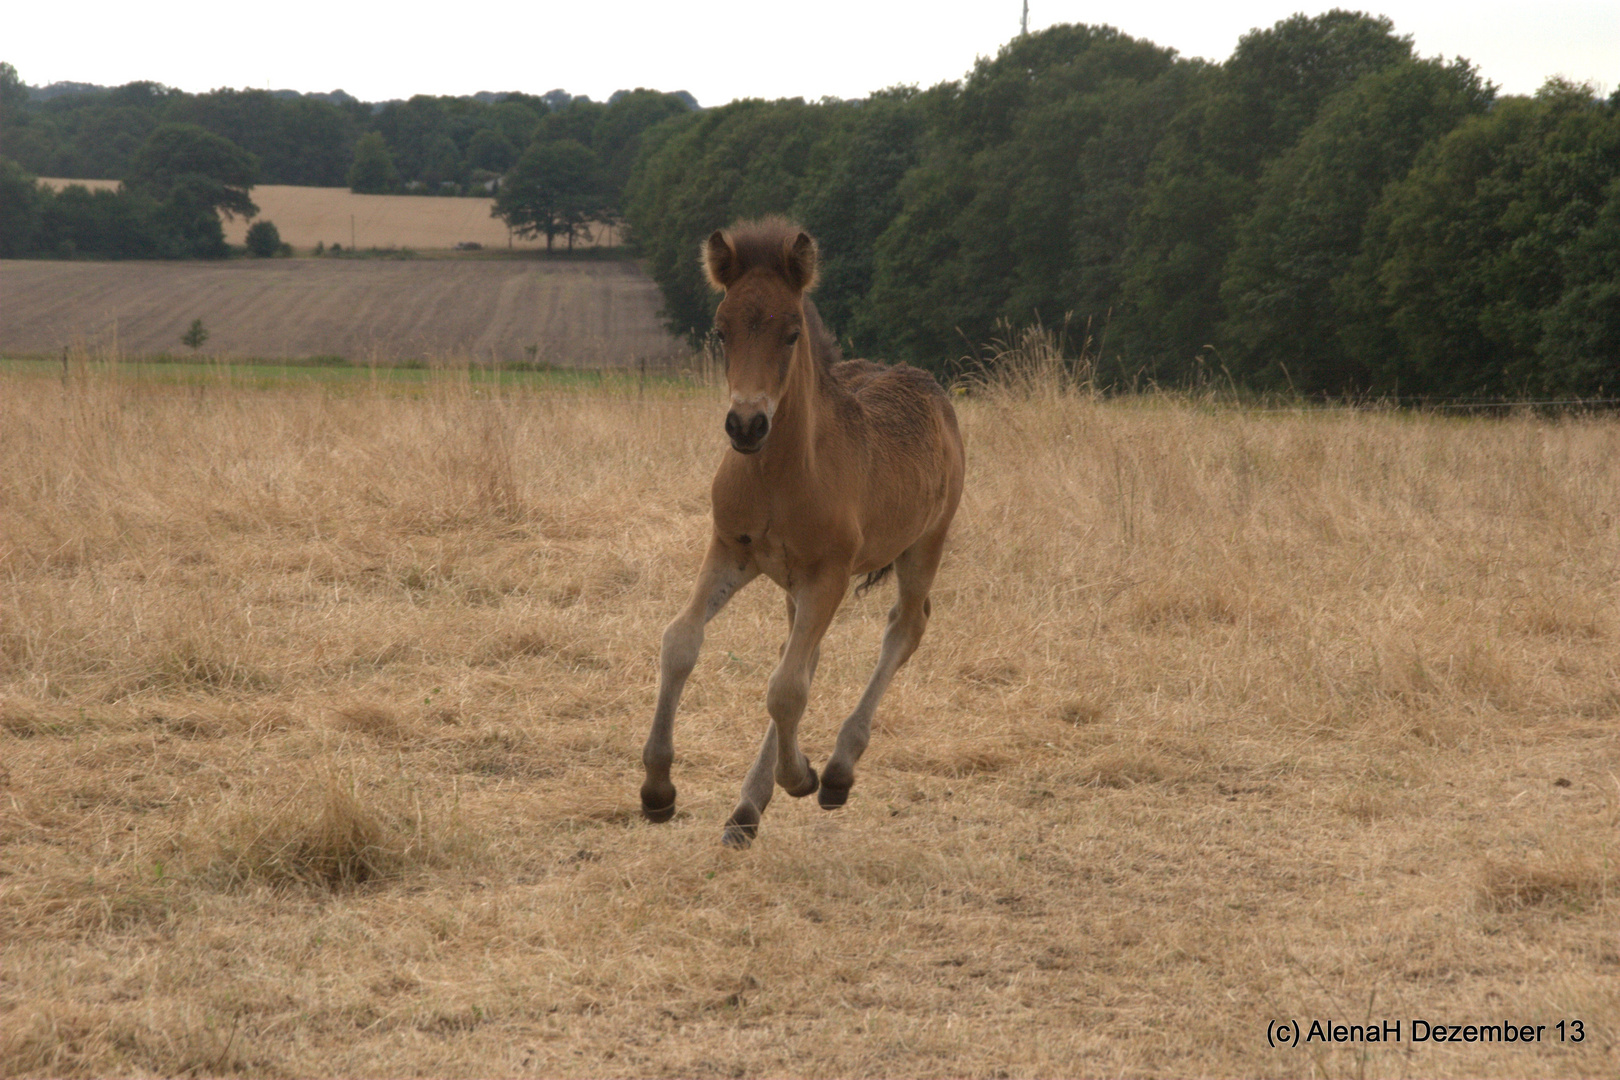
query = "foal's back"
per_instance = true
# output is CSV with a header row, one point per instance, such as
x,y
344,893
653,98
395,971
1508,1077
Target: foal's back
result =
x,y
910,441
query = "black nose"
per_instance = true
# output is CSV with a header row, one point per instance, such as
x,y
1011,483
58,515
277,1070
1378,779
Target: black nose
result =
x,y
747,435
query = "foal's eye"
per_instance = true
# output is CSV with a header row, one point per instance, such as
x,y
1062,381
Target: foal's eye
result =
x,y
793,337
720,336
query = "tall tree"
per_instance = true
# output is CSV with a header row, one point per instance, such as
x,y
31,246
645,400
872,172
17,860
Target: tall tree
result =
x,y
211,169
1283,324
195,177
850,195
1580,341
701,171
1471,256
21,209
554,190
1204,176
13,94
616,133
298,140
373,171
1015,206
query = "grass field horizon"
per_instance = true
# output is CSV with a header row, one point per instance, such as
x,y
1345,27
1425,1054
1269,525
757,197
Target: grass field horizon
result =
x,y
321,716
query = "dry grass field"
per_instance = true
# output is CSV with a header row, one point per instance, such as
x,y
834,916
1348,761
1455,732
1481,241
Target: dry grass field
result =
x,y
322,717
306,216
591,313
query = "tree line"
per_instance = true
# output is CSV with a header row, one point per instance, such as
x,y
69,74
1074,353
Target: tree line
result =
x,y
176,188
556,162
1325,212
432,144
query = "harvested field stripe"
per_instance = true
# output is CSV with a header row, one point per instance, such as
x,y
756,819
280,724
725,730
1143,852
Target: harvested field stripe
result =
x,y
588,313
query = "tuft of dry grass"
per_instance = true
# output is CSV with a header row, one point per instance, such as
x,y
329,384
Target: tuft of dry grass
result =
x,y
321,715
378,721
1569,880
329,838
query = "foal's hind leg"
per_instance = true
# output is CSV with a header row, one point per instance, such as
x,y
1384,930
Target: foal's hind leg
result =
x,y
717,582
914,570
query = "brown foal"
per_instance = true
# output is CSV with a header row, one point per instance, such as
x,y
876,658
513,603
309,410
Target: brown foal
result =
x,y
836,468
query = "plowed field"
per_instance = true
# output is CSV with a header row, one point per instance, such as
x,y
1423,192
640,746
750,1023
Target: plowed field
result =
x,y
568,313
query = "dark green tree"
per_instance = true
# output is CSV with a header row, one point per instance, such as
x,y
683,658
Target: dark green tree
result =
x,y
1016,205
850,195
491,151
21,210
13,94
1495,237
263,239
411,130
194,177
194,337
616,134
1283,324
1203,180
208,167
514,119
373,171
554,190
187,221
100,224
93,135
1580,341
574,120
701,171
442,162
302,141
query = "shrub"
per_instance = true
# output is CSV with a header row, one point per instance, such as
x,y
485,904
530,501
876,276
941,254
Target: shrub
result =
x,y
263,239
195,335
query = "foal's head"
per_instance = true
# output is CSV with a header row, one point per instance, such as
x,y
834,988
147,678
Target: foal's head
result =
x,y
764,268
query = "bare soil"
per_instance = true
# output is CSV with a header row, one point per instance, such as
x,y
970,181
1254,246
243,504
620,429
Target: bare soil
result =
x,y
586,313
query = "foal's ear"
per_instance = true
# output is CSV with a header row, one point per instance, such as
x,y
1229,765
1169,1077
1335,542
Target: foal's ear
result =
x,y
800,258
720,260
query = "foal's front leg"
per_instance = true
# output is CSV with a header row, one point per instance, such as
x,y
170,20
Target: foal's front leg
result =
x,y
780,758
718,581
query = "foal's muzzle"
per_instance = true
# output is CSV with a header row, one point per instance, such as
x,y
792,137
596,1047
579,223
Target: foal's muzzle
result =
x,y
747,435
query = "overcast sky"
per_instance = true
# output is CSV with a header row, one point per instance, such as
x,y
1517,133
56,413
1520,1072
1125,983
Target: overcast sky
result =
x,y
718,51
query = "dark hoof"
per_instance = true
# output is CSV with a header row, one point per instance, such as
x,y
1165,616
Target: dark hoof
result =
x,y
809,789
835,785
831,798
741,828
658,804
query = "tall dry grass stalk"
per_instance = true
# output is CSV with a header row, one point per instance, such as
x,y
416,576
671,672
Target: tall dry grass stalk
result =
x,y
1035,362
321,713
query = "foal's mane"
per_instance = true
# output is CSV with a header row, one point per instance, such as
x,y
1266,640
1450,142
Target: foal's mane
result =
x,y
764,244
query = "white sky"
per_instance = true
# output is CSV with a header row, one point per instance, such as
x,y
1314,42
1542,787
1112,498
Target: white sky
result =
x,y
718,51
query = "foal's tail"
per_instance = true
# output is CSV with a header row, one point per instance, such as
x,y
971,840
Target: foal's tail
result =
x,y
872,579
